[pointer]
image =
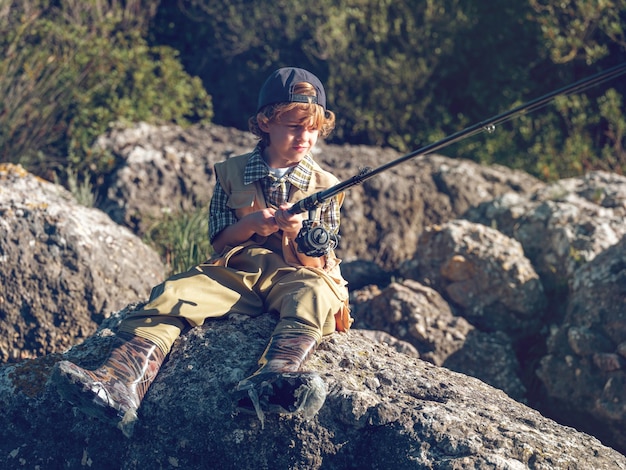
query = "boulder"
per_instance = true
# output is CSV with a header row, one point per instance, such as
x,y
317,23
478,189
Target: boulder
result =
x,y
384,337
584,370
383,218
418,315
483,273
384,409
63,267
561,226
166,168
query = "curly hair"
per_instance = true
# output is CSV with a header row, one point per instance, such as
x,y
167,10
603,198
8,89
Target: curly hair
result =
x,y
320,119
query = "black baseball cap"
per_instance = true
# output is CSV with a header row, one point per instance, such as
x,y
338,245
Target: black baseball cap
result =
x,y
278,88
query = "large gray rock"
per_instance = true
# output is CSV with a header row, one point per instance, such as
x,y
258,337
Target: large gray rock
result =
x,y
166,168
484,273
417,315
561,226
383,218
413,313
63,267
464,325
384,410
585,368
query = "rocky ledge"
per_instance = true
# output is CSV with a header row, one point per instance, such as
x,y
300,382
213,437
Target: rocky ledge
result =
x,y
384,409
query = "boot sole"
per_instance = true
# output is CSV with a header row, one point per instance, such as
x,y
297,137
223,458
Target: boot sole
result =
x,y
282,393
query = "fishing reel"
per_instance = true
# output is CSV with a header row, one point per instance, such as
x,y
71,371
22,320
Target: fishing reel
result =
x,y
314,240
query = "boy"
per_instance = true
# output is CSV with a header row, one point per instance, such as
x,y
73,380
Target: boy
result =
x,y
257,268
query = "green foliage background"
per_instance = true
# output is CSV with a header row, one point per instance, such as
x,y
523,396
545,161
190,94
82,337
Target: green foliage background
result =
x,y
398,74
404,74
70,68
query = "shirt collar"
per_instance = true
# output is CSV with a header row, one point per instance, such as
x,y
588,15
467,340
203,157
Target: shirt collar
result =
x,y
256,169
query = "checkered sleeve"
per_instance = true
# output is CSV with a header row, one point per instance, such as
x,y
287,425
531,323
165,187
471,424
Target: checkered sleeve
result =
x,y
220,215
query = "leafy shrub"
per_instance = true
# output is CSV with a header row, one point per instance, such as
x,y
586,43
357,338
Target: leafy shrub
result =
x,y
406,74
69,71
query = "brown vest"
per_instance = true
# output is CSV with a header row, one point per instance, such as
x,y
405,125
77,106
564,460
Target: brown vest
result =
x,y
244,199
249,198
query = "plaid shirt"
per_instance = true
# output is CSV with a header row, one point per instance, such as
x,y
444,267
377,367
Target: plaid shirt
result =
x,y
276,191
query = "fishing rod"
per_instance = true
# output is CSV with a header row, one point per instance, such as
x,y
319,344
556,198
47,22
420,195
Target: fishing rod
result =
x,y
315,240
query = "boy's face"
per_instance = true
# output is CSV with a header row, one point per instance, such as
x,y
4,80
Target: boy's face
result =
x,y
290,139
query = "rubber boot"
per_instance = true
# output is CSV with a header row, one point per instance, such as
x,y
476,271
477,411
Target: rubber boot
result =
x,y
114,391
278,385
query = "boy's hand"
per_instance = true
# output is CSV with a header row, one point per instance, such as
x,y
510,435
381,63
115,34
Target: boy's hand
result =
x,y
264,222
290,224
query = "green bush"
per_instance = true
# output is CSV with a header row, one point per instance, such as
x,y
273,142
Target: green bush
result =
x,y
69,71
400,74
31,85
132,83
406,74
